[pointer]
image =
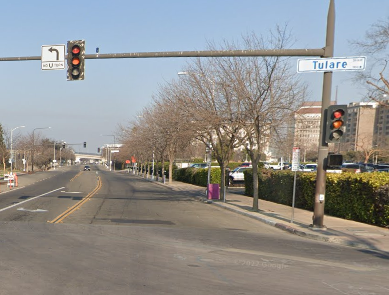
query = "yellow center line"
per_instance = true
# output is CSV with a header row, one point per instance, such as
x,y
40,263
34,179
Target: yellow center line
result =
x,y
78,174
69,211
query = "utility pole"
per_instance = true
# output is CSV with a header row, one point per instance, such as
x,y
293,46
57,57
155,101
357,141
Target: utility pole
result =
x,y
318,214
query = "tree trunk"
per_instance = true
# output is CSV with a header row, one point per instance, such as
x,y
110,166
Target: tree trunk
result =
x,y
163,170
255,161
171,159
223,166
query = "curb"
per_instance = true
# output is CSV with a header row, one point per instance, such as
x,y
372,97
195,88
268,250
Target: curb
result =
x,y
295,231
283,226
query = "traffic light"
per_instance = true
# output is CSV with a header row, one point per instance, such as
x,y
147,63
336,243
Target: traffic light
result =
x,y
334,160
84,144
335,123
63,145
98,150
76,60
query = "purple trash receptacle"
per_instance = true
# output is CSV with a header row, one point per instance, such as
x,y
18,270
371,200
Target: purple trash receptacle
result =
x,y
213,191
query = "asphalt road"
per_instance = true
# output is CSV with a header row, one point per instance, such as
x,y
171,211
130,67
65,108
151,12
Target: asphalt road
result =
x,y
132,236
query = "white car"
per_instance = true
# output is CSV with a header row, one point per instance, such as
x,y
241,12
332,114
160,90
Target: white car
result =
x,y
237,175
310,168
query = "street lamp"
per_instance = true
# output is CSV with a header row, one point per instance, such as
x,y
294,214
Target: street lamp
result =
x,y
114,145
33,146
54,160
12,144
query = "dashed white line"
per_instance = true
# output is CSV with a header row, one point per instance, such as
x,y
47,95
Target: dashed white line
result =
x,y
17,204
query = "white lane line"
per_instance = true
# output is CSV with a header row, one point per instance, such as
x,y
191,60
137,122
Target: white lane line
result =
x,y
17,204
28,210
71,192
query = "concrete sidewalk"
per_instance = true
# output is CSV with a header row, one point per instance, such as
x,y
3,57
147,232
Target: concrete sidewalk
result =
x,y
339,231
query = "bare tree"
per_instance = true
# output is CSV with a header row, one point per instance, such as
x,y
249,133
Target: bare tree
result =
x,y
264,93
211,110
174,132
365,147
161,129
375,44
3,148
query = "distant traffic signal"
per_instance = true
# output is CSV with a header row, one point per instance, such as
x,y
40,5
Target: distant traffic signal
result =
x,y
84,144
76,60
336,123
98,150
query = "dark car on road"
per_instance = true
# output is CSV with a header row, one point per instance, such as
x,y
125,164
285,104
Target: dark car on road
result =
x,y
86,168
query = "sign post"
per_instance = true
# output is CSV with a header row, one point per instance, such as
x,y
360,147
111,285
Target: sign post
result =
x,y
295,168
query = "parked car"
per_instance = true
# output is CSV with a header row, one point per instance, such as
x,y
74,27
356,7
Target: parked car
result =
x,y
199,165
276,166
379,167
309,168
356,168
237,175
246,164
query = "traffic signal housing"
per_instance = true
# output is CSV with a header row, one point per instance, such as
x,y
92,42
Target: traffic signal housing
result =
x,y
335,123
334,161
84,144
76,60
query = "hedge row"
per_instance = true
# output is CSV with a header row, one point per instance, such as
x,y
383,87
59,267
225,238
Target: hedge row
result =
x,y
197,176
362,197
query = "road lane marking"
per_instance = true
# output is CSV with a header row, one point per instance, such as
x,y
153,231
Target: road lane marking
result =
x,y
65,214
77,175
28,210
30,199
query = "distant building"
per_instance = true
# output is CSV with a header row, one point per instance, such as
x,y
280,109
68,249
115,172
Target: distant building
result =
x,y
364,127
381,126
307,126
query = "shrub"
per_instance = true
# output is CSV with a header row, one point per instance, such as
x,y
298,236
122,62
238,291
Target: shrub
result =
x,y
197,176
360,197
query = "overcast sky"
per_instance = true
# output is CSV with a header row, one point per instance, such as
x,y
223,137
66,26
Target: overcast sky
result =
x,y
116,90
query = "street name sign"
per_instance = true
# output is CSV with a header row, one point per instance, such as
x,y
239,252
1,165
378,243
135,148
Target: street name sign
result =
x,y
355,63
53,57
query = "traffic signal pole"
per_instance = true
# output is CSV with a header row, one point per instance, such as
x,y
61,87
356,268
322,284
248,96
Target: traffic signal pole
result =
x,y
320,189
325,52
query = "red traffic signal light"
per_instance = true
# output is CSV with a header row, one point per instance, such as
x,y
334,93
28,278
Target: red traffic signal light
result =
x,y
335,123
76,60
76,49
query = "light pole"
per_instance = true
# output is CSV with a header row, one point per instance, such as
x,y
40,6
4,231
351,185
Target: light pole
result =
x,y
54,157
63,143
110,152
12,157
33,146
